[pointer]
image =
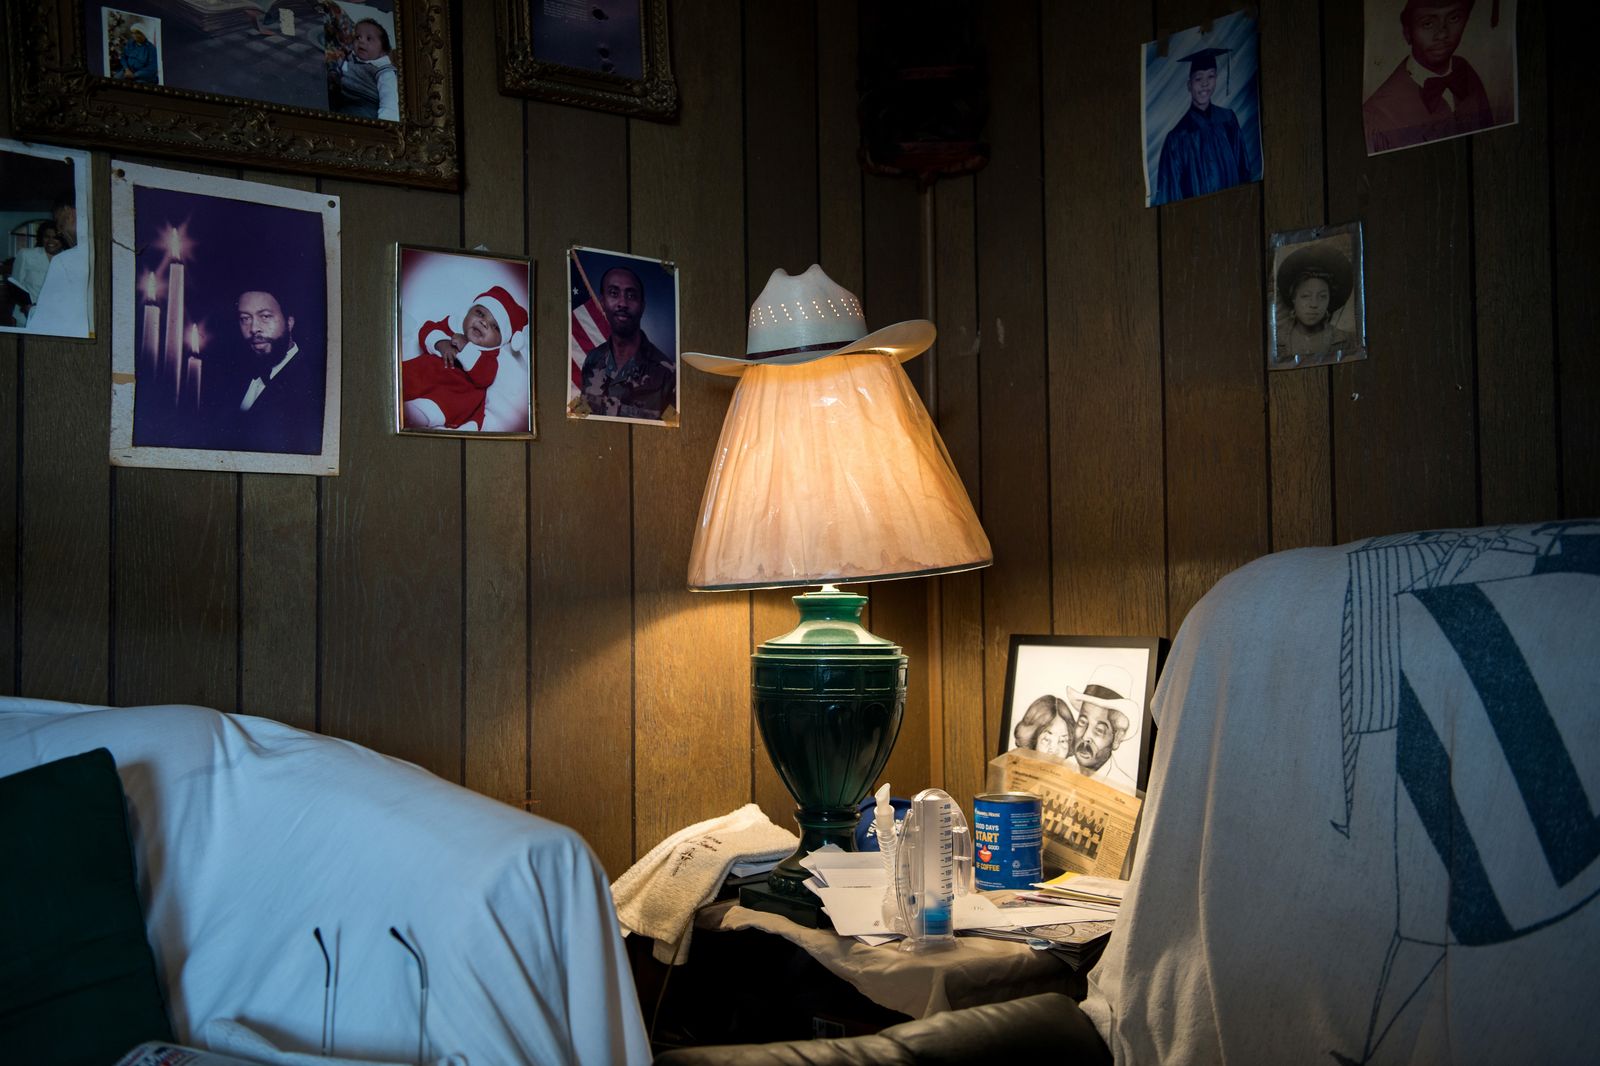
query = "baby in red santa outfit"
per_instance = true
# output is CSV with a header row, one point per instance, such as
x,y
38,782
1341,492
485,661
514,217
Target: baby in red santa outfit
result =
x,y
477,379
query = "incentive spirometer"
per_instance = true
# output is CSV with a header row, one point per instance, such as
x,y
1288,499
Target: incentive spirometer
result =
x,y
928,865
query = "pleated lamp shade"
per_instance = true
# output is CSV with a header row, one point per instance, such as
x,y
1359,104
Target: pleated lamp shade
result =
x,y
827,472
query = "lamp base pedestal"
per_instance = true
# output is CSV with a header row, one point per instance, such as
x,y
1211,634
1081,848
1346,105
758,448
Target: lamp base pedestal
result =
x,y
828,697
805,909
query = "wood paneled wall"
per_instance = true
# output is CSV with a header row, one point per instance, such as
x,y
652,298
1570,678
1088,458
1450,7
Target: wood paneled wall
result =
x,y
513,615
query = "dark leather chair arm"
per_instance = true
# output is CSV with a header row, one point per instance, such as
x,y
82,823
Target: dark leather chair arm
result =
x,y
1042,1028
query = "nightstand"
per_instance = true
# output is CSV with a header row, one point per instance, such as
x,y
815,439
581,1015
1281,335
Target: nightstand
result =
x,y
753,977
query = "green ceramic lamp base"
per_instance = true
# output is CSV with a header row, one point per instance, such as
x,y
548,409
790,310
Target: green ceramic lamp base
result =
x,y
828,697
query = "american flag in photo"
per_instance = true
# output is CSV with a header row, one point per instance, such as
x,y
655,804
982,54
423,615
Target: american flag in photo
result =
x,y
589,326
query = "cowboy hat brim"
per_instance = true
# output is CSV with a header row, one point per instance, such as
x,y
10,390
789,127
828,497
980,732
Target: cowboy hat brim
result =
x,y
1076,699
903,340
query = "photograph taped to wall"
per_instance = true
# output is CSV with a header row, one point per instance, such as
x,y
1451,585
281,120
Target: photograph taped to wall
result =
x,y
1201,110
1317,297
225,324
48,259
1088,825
623,341
1084,701
463,339
1437,69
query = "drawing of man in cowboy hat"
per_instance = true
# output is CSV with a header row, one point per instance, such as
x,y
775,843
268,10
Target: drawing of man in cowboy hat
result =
x,y
1104,718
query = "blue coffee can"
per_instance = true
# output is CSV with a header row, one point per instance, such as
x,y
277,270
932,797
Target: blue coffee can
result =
x,y
1006,840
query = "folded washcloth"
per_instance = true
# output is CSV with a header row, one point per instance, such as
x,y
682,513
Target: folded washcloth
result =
x,y
659,894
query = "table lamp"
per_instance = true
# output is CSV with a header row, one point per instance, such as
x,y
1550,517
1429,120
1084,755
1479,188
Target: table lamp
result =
x,y
829,470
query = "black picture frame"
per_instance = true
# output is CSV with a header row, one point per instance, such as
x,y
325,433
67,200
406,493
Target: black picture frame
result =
x,y
1063,667
529,65
57,96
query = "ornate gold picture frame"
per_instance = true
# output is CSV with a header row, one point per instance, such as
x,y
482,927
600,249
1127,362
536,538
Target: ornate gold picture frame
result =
x,y
60,92
610,55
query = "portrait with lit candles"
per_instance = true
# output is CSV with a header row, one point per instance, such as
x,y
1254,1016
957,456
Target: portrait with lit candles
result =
x,y
225,301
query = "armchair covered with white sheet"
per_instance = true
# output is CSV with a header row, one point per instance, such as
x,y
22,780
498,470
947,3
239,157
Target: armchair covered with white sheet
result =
x,y
1371,834
249,835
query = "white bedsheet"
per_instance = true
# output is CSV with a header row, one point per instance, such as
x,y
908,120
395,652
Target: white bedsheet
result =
x,y
249,834
1371,832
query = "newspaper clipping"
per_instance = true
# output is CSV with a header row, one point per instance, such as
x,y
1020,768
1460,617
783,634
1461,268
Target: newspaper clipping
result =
x,y
1088,825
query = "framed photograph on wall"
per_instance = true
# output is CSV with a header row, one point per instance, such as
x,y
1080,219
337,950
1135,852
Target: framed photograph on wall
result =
x,y
1317,297
611,55
622,354
353,90
1084,700
463,343
225,324
48,258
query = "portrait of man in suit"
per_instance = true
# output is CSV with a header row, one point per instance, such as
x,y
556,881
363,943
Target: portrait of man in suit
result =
x,y
1434,92
227,351
270,391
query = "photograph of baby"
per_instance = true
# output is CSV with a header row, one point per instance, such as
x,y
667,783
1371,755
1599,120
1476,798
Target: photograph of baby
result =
x,y
1201,110
1084,701
132,46
46,264
463,343
1317,305
623,349
1437,69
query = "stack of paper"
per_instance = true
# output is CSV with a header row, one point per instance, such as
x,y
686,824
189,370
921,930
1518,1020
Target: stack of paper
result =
x,y
851,886
1081,888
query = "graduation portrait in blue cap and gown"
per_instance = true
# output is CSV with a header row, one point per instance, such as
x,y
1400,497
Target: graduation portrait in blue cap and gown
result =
x,y
1202,114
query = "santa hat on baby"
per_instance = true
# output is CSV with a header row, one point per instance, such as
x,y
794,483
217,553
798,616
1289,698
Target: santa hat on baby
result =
x,y
508,315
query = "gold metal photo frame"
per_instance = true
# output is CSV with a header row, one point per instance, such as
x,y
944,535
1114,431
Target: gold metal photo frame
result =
x,y
58,94
611,55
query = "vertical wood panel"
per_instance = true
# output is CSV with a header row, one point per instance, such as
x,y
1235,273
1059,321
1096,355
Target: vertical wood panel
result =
x,y
781,230
1517,431
10,466
1212,350
1575,222
892,292
66,491
1404,446
839,177
496,490
175,568
1020,362
1291,73
177,604
582,762
1106,504
391,531
687,196
10,512
278,516
962,740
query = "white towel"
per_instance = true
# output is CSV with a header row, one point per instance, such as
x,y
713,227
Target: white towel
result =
x,y
658,895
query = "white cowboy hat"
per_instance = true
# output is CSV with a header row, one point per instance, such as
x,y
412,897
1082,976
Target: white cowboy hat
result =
x,y
1105,689
802,317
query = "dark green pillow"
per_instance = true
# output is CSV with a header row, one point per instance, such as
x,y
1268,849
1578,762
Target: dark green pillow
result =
x,y
77,980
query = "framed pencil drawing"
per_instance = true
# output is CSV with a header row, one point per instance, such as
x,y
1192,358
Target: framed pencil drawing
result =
x,y
1084,701
352,90
611,55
